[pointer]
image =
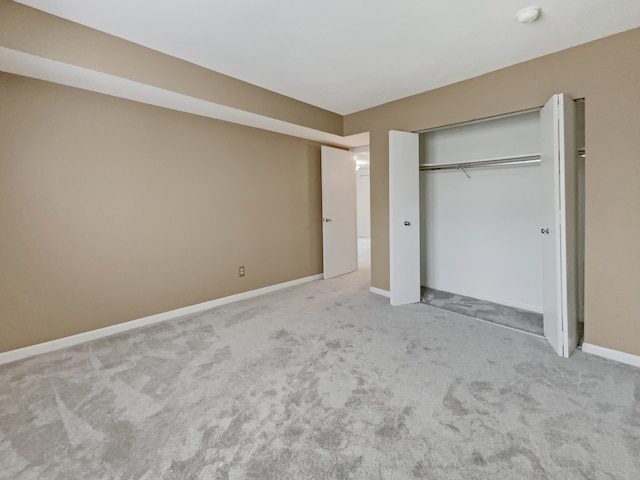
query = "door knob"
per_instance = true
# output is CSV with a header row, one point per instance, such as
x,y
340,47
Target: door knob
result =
x,y
325,219
407,223
544,230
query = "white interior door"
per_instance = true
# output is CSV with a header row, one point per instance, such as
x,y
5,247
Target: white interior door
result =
x,y
339,212
559,225
404,217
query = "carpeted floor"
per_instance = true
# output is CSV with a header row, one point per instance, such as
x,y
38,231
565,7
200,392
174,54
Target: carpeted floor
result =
x,y
319,381
511,317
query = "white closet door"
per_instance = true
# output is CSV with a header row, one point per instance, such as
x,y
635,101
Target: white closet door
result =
x,y
404,217
559,225
339,212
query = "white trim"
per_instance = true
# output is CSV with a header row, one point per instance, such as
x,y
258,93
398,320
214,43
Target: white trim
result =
x,y
616,355
33,66
60,343
379,291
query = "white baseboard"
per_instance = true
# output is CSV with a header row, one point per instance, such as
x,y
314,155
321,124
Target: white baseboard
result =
x,y
379,291
60,343
622,357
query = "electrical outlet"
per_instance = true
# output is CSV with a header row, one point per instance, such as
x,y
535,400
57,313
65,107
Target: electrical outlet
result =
x,y
241,271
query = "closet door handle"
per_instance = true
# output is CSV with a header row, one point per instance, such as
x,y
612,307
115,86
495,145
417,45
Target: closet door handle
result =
x,y
407,223
544,230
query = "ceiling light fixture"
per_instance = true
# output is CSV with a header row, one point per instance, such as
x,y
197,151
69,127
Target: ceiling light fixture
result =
x,y
528,14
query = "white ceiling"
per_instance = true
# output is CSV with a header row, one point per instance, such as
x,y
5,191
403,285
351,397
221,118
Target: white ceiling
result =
x,y
348,55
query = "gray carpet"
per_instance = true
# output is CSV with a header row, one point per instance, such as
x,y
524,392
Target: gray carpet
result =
x,y
511,317
320,381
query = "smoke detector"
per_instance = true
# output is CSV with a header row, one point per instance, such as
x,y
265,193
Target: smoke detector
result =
x,y
528,14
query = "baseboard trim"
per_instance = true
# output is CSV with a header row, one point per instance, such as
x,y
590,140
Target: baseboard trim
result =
x,y
379,291
616,355
73,340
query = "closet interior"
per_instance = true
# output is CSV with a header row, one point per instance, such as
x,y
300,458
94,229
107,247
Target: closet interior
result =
x,y
481,218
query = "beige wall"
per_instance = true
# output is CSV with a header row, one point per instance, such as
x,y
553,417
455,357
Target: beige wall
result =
x,y
112,210
31,31
607,74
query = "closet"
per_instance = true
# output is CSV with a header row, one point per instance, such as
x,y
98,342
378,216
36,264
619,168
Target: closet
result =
x,y
477,221
492,209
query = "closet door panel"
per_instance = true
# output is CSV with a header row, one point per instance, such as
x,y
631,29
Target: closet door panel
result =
x,y
404,218
558,226
569,232
549,229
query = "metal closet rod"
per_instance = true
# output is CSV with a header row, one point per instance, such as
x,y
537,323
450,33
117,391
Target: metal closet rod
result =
x,y
486,162
489,162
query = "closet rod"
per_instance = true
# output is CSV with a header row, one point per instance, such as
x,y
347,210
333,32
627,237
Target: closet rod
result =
x,y
487,162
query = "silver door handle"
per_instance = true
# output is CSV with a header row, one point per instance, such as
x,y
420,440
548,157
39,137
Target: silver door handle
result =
x,y
544,230
407,223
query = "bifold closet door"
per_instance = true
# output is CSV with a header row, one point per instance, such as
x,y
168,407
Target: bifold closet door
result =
x,y
404,218
559,223
339,212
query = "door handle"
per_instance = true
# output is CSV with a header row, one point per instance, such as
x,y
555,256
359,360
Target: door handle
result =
x,y
407,223
324,219
544,230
